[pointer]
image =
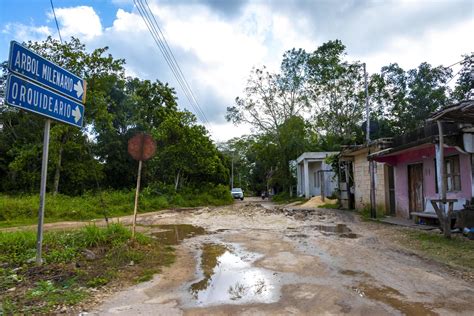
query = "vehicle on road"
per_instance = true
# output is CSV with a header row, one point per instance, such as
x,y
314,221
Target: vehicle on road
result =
x,y
237,193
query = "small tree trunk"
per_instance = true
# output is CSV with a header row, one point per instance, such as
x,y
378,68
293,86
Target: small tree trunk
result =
x,y
444,217
57,173
176,182
447,220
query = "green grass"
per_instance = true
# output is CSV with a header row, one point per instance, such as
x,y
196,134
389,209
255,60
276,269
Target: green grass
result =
x,y
457,251
67,271
283,198
365,213
18,210
330,205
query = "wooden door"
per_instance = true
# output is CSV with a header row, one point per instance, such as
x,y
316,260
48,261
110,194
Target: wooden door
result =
x,y
415,187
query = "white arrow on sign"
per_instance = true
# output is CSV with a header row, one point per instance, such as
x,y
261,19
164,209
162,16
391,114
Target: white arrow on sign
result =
x,y
78,88
77,114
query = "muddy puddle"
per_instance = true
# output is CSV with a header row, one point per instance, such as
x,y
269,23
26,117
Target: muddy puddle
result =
x,y
174,234
353,273
341,230
226,276
392,298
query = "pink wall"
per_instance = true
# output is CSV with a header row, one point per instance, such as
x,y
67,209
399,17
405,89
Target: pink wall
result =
x,y
401,190
427,156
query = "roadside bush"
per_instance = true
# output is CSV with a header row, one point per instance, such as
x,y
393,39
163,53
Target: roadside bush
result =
x,y
365,212
73,261
284,197
60,247
23,209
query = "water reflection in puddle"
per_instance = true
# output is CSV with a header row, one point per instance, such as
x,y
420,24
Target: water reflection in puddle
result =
x,y
228,277
174,234
393,298
340,229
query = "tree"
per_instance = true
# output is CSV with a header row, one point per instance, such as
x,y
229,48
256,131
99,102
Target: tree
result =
x,y
134,106
21,134
271,99
464,89
98,70
185,153
337,90
409,97
271,102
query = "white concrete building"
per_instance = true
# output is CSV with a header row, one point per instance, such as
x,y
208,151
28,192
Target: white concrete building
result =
x,y
314,174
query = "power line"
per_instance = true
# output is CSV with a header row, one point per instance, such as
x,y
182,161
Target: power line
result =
x,y
163,50
455,63
453,77
169,57
56,20
153,29
159,38
177,65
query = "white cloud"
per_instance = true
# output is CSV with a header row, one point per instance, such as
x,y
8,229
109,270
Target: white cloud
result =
x,y
21,32
435,47
224,131
82,22
216,52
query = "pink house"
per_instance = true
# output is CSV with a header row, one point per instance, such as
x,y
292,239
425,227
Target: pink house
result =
x,y
413,160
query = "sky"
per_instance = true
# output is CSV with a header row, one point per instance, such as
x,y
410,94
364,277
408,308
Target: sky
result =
x,y
218,42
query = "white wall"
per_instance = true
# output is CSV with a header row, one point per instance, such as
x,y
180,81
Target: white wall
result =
x,y
330,184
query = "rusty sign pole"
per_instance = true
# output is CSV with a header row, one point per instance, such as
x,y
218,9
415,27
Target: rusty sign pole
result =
x,y
141,147
135,209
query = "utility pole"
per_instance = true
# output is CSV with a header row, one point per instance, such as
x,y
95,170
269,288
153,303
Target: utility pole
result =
x,y
232,175
373,213
367,110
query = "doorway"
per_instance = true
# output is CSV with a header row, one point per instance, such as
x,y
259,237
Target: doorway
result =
x,y
391,190
415,187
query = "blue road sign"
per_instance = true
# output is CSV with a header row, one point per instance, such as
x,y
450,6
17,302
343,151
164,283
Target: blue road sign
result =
x,y
32,66
34,98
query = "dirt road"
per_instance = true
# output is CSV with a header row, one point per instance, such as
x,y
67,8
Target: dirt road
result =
x,y
253,260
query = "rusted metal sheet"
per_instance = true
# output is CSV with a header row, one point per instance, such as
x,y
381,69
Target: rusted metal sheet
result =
x,y
141,147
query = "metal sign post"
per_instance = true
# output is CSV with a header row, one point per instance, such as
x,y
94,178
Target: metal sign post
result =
x,y
135,208
37,85
44,175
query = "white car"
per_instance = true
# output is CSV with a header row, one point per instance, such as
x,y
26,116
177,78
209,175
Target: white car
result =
x,y
237,193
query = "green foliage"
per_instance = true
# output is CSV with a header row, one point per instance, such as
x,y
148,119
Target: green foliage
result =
x,y
365,212
456,251
16,209
97,281
464,88
17,247
284,197
116,109
337,88
186,156
60,247
406,98
29,289
330,205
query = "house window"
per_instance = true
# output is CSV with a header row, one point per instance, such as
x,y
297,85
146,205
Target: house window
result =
x,y
453,174
316,180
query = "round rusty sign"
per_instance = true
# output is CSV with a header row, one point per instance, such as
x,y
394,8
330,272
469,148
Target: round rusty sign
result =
x,y
141,147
